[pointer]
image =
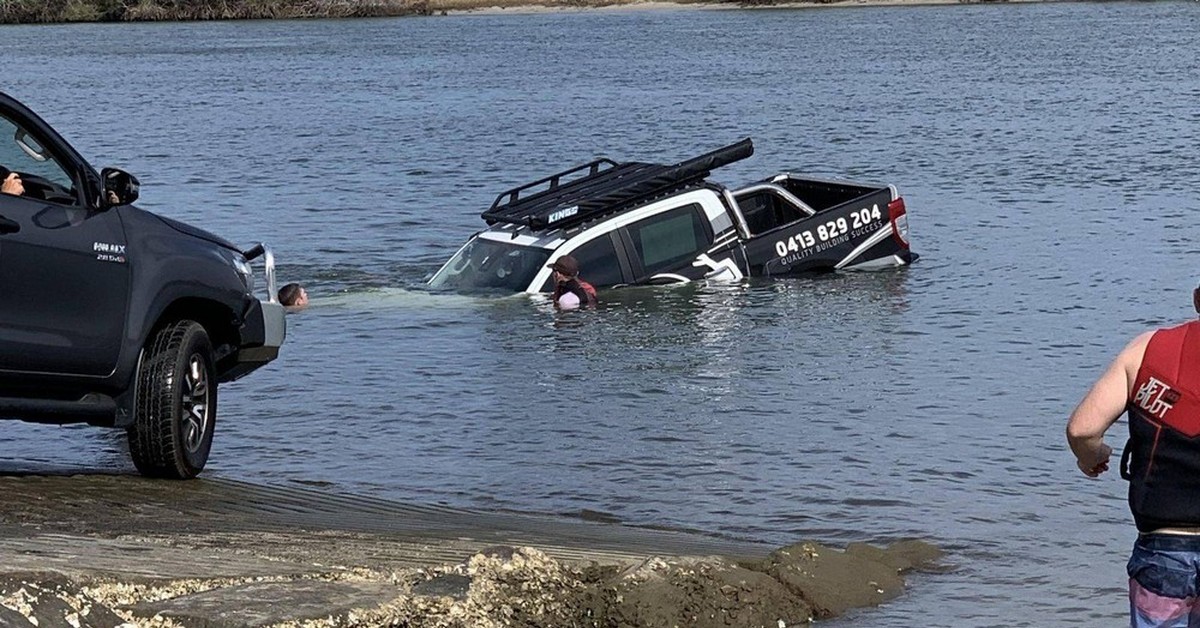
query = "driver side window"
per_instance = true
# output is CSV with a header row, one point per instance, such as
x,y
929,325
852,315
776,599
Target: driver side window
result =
x,y
24,154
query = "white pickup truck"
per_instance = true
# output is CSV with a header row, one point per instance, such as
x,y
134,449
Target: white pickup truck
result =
x,y
639,223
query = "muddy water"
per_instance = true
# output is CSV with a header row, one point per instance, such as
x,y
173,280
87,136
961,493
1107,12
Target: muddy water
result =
x,y
1046,153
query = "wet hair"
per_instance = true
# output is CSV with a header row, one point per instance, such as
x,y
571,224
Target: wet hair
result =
x,y
289,294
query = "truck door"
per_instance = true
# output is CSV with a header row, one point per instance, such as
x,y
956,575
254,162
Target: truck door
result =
x,y
64,275
663,247
602,262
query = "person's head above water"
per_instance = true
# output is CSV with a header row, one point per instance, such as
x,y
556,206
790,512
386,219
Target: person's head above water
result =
x,y
566,266
293,296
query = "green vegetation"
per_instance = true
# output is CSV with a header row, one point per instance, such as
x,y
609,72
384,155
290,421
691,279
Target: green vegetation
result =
x,y
47,11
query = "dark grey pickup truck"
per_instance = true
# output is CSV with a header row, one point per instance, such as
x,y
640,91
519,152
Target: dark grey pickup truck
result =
x,y
115,316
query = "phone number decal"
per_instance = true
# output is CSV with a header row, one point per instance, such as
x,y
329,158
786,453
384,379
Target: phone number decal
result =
x,y
827,235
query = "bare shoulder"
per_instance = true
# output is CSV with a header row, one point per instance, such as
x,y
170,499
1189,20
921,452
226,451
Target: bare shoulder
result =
x,y
1131,356
1138,344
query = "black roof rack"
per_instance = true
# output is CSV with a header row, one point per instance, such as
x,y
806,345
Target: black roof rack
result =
x,y
602,187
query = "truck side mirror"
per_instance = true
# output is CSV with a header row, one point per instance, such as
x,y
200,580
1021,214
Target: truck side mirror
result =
x,y
120,187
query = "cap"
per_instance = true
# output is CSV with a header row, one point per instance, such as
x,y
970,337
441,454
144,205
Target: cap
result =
x,y
565,265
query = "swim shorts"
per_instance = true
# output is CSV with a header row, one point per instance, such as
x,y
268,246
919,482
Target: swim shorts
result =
x,y
1164,582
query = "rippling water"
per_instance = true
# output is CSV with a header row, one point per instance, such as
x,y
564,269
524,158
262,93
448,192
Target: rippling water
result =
x,y
1046,152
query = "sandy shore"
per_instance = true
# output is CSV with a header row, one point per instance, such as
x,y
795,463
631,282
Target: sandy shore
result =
x,y
453,7
104,551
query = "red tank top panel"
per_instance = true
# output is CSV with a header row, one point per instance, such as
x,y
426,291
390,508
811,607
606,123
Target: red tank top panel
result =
x,y
591,292
1167,388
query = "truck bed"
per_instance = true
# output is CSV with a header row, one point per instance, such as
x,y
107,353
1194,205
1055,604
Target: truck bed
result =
x,y
801,225
785,199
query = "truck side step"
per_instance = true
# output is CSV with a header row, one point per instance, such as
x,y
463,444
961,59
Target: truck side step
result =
x,y
93,408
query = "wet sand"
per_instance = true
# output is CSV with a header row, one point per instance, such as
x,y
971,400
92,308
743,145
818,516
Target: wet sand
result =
x,y
108,550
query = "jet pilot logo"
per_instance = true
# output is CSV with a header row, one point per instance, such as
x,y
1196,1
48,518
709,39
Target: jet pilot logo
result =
x,y
1155,398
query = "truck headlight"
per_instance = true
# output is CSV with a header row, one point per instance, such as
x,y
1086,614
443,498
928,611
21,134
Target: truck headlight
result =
x,y
245,272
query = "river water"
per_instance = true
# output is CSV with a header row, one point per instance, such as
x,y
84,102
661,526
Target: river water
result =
x,y
1047,153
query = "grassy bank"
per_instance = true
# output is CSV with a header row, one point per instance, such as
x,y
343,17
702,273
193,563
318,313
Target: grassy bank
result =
x,y
57,11
50,11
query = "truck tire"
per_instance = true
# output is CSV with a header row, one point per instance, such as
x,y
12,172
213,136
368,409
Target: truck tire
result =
x,y
176,403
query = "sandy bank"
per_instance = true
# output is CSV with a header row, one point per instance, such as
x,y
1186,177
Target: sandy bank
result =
x,y
487,7
106,550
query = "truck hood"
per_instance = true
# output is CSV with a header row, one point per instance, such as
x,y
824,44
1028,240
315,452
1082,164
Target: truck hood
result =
x,y
183,227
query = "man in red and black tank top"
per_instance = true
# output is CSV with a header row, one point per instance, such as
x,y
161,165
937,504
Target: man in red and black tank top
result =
x,y
569,290
1156,379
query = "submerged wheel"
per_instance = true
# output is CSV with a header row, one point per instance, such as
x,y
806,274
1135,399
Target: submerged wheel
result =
x,y
176,406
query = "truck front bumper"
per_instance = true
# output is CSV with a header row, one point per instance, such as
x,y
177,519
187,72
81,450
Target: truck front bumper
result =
x,y
264,325
263,333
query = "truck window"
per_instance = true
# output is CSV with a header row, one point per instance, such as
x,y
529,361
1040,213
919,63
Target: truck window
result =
x,y
598,264
15,148
671,238
765,210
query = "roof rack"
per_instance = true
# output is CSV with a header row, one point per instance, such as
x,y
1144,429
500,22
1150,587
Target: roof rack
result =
x,y
602,187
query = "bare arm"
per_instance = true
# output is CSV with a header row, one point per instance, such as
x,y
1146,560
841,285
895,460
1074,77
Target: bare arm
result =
x,y
1102,406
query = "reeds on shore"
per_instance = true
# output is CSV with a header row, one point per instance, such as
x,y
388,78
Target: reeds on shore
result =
x,y
50,11
58,11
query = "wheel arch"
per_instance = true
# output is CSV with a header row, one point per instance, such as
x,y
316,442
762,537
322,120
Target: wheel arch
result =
x,y
216,318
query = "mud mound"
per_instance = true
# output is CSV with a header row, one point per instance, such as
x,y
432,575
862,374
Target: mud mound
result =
x,y
696,592
499,587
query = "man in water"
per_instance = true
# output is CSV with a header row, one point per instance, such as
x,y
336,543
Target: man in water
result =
x,y
1156,379
570,291
293,297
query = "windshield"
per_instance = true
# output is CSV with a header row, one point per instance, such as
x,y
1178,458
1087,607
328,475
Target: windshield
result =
x,y
491,264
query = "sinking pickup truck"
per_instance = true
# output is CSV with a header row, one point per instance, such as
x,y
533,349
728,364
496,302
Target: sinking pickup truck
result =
x,y
640,223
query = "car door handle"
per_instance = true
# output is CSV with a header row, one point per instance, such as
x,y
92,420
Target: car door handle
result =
x,y
8,226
